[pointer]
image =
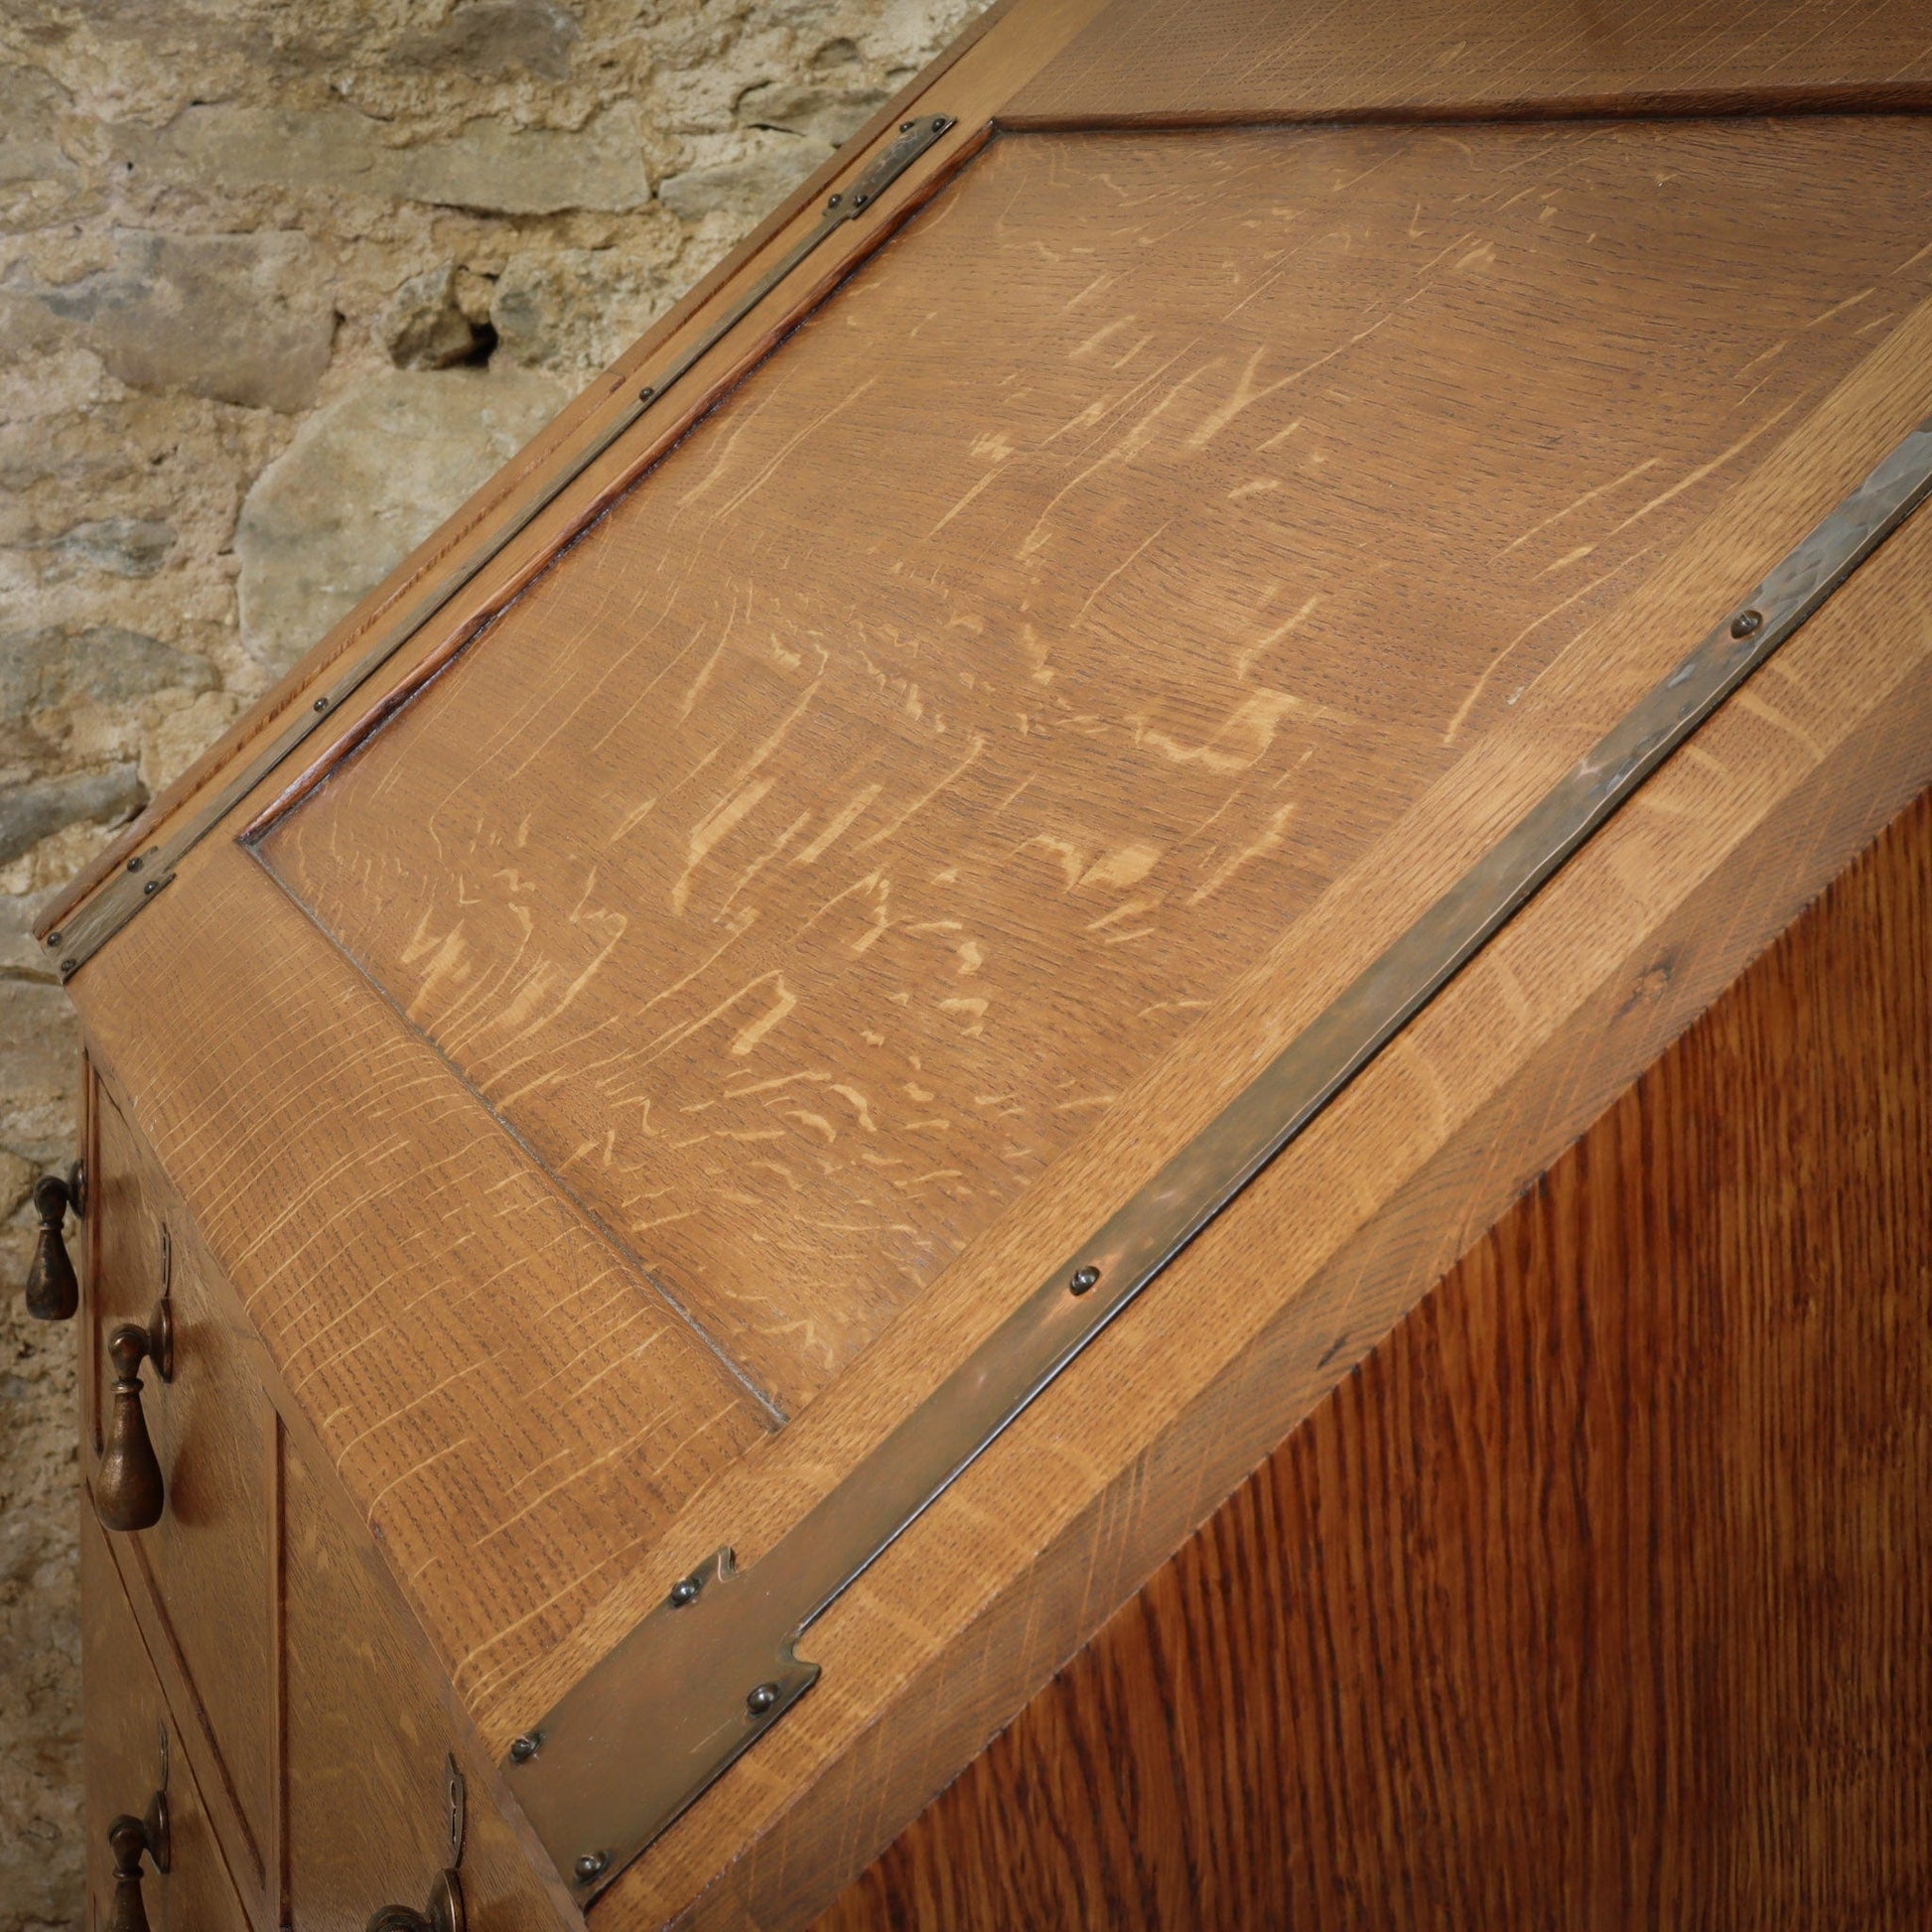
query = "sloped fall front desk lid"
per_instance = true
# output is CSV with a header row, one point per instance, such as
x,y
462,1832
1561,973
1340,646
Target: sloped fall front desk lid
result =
x,y
1036,681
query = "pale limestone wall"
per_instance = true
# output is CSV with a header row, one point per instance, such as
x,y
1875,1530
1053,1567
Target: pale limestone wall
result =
x,y
279,284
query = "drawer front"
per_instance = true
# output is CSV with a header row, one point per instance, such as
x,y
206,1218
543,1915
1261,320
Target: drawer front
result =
x,y
208,1562
133,1752
369,1752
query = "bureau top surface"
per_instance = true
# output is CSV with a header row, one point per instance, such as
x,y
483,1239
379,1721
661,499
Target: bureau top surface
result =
x,y
625,1063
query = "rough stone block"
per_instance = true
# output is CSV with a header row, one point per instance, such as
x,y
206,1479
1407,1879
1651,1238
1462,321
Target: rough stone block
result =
x,y
20,955
823,110
745,189
572,308
238,317
498,37
38,809
51,670
423,327
123,546
29,149
363,483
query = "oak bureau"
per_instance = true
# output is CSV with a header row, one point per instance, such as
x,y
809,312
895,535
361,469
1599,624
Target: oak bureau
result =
x,y
1085,1081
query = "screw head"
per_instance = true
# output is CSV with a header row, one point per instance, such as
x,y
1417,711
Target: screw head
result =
x,y
683,1592
321,704
134,865
938,123
69,967
1745,622
1083,1279
761,1700
523,1748
590,1865
151,887
905,127
52,940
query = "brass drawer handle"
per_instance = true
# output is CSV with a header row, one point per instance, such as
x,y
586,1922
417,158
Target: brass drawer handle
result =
x,y
52,1294
127,1839
442,1912
128,1491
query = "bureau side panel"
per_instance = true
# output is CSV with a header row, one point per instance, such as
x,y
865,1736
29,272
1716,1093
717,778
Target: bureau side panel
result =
x,y
1599,1596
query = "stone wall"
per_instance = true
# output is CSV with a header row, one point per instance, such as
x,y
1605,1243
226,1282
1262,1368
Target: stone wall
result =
x,y
279,286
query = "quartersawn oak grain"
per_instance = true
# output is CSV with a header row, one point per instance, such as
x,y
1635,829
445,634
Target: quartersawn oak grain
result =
x,y
1600,1595
367,1747
813,861
131,1749
207,1566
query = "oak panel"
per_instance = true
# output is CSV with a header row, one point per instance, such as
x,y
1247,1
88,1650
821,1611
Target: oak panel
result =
x,y
810,864
1236,60
409,1275
130,1748
1602,1594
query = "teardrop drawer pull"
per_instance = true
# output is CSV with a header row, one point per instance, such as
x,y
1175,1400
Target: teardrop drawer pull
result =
x,y
52,1294
442,1912
128,1491
127,1839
